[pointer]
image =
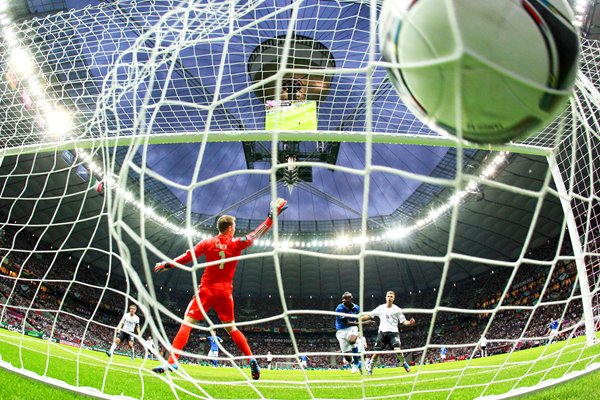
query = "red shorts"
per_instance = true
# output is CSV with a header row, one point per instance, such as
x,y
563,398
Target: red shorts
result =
x,y
219,300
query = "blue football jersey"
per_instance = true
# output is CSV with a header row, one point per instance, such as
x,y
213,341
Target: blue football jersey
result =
x,y
342,322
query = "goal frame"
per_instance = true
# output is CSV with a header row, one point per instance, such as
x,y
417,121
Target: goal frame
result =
x,y
404,138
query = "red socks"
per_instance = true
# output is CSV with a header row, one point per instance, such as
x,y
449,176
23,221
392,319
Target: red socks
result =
x,y
241,342
183,336
179,342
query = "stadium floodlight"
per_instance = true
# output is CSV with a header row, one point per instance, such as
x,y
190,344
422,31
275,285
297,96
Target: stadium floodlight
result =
x,y
341,241
581,8
456,198
21,61
59,123
398,233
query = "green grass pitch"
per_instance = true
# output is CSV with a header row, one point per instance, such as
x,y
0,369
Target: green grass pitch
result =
x,y
460,380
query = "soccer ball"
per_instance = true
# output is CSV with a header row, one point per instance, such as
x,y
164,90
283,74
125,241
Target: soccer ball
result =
x,y
491,70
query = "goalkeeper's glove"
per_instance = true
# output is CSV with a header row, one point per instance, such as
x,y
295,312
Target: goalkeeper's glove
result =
x,y
162,266
277,206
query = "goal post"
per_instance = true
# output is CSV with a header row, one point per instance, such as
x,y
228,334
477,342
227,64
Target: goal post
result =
x,y
587,295
574,167
286,365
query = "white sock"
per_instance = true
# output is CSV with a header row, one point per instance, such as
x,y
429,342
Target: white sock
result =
x,y
112,348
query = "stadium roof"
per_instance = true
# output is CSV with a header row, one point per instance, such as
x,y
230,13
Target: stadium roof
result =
x,y
493,223
83,61
82,45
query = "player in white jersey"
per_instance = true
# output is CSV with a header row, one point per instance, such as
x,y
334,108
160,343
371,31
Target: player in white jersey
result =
x,y
150,351
129,324
361,343
483,346
390,315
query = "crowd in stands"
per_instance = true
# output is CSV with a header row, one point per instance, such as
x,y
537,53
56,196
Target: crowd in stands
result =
x,y
55,295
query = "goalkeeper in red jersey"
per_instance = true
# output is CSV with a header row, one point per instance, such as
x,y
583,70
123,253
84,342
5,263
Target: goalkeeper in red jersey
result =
x,y
216,285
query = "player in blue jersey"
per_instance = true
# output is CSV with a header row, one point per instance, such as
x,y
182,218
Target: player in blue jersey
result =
x,y
553,329
213,353
303,361
443,352
347,330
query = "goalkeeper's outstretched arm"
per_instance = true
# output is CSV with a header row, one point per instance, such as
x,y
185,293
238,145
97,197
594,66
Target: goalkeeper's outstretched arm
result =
x,y
182,259
278,206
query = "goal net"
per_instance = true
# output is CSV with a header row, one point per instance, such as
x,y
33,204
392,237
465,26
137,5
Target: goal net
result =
x,y
129,127
286,365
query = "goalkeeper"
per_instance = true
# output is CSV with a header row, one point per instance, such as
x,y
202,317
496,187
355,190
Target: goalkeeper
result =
x,y
216,286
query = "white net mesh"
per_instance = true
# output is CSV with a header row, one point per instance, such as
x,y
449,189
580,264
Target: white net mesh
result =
x,y
486,244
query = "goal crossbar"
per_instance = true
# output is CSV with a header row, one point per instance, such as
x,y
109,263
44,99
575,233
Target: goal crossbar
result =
x,y
267,136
